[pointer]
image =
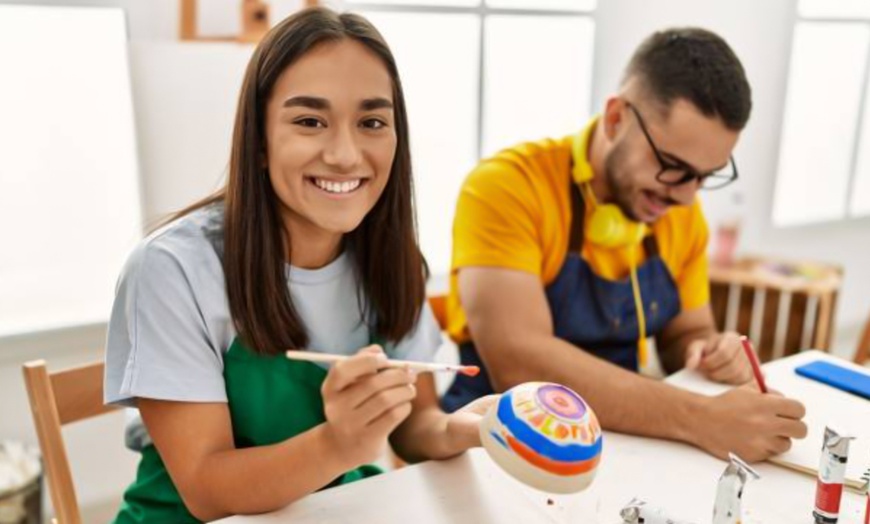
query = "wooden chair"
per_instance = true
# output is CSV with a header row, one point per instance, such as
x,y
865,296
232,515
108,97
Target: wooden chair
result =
x,y
782,306
56,399
862,355
438,303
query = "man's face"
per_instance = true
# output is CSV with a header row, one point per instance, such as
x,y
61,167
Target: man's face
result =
x,y
679,141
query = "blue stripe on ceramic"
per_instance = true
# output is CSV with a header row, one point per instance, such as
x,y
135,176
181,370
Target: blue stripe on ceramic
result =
x,y
539,443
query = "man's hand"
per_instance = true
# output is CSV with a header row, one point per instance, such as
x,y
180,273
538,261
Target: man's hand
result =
x,y
720,357
753,425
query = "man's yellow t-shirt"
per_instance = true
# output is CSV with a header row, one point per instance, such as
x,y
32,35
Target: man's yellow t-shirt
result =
x,y
514,212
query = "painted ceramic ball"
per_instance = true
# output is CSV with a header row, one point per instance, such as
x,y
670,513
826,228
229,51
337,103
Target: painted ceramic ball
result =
x,y
544,435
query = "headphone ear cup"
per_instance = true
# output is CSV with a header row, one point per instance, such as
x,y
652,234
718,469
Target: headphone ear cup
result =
x,y
609,228
606,226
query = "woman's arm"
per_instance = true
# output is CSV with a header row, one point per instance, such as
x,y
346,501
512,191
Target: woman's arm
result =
x,y
429,433
215,479
195,441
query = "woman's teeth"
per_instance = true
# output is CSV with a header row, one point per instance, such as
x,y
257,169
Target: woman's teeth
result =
x,y
337,187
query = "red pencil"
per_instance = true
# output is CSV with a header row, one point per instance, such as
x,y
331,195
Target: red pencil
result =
x,y
753,361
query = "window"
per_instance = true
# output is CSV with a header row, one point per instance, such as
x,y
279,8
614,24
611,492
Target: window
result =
x,y
479,77
69,197
824,160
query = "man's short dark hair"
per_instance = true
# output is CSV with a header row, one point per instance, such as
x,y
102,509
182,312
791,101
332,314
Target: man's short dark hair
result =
x,y
696,65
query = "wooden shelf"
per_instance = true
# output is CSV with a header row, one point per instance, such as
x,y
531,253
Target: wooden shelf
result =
x,y
254,15
788,276
785,305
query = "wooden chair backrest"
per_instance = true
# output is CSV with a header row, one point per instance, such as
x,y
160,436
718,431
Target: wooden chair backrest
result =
x,y
56,399
781,311
438,303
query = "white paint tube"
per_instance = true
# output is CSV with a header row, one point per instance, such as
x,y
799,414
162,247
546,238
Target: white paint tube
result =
x,y
640,512
727,508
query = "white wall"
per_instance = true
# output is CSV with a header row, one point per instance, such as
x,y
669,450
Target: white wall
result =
x,y
184,97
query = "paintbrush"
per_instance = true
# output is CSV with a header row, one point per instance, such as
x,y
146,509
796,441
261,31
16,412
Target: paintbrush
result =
x,y
311,356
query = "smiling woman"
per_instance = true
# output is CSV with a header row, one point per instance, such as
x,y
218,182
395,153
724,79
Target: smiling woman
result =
x,y
322,147
311,245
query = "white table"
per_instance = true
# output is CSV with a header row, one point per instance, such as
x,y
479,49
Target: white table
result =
x,y
471,489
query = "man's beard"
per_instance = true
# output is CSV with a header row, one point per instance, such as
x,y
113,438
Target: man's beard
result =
x,y
621,189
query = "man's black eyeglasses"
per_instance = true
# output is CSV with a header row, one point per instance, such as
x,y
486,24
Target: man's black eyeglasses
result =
x,y
676,174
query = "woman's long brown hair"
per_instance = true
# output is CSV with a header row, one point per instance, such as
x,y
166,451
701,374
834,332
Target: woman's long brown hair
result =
x,y
389,266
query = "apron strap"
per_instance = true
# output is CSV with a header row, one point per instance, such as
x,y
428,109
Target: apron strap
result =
x,y
578,213
650,245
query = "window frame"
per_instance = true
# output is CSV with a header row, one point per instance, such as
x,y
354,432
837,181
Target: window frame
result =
x,y
847,212
483,12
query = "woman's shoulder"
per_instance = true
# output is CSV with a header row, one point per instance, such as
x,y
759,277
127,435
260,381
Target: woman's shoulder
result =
x,y
188,246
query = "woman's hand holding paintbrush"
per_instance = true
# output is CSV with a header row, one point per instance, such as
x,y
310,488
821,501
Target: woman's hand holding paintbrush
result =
x,y
367,396
363,404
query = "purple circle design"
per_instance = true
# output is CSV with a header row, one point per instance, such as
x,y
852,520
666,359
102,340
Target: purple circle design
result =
x,y
561,402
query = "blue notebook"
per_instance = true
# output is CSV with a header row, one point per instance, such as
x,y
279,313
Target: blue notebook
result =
x,y
836,376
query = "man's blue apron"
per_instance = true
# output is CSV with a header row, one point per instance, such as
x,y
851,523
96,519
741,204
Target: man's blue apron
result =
x,y
591,312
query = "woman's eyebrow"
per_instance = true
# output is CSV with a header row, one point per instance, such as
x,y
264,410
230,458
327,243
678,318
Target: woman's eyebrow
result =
x,y
322,104
370,104
311,102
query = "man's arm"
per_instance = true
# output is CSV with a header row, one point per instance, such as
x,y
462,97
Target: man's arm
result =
x,y
512,328
691,340
674,340
510,322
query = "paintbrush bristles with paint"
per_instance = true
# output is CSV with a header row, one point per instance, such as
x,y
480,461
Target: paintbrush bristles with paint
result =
x,y
311,356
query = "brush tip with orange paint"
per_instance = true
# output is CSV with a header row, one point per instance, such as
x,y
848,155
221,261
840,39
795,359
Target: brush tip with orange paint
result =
x,y
470,371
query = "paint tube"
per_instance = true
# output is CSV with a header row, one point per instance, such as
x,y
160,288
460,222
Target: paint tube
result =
x,y
727,508
638,511
832,474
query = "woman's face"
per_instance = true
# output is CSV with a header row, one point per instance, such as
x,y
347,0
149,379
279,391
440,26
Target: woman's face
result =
x,y
330,138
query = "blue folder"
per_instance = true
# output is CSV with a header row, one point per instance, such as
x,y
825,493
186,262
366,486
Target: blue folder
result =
x,y
837,376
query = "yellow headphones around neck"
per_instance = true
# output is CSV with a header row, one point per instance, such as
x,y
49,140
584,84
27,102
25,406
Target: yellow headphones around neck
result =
x,y
608,226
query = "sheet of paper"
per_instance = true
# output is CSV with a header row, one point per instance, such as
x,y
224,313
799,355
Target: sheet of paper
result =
x,y
825,405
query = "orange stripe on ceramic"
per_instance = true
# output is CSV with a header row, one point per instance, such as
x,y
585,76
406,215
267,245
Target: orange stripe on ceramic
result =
x,y
565,469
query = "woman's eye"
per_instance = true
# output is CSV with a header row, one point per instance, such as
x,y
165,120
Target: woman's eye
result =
x,y
374,123
309,122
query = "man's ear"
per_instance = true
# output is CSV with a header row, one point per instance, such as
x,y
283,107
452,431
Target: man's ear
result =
x,y
613,117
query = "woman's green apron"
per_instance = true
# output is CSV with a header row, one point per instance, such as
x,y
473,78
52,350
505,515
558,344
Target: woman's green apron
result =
x,y
270,399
